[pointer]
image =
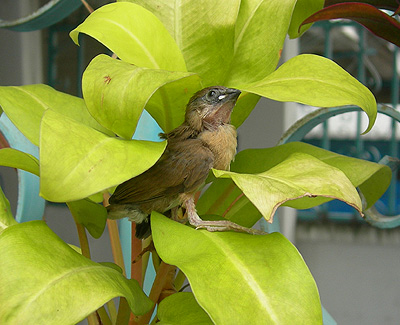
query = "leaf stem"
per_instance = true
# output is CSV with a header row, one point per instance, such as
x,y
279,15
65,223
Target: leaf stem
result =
x,y
87,6
179,280
124,312
136,249
116,244
159,284
83,240
231,205
104,318
112,311
221,198
93,319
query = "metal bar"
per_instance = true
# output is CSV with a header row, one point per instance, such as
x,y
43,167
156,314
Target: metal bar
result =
x,y
361,77
328,53
393,141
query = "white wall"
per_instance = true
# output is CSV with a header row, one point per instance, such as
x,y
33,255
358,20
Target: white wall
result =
x,y
21,53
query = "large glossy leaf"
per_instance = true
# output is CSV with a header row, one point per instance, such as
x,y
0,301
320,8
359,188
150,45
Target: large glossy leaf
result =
x,y
116,93
134,34
316,81
378,22
261,29
240,278
182,308
302,10
372,179
90,214
17,159
44,281
77,161
168,104
301,179
25,105
204,31
6,217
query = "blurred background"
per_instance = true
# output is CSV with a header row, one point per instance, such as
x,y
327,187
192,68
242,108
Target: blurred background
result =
x,y
355,265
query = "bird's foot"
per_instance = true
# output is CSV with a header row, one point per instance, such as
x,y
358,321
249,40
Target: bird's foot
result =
x,y
217,225
223,225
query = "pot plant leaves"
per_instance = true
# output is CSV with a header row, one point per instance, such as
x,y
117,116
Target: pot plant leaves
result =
x,y
302,10
134,34
6,217
182,308
91,215
224,198
204,32
253,58
118,107
270,277
45,281
375,20
25,105
315,81
88,159
258,43
298,181
17,159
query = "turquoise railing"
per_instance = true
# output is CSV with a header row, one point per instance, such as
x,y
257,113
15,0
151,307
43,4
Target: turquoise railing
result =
x,y
388,147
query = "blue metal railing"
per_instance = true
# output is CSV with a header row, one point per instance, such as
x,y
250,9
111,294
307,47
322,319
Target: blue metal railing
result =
x,y
337,211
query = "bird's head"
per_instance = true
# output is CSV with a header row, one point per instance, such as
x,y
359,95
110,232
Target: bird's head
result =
x,y
211,107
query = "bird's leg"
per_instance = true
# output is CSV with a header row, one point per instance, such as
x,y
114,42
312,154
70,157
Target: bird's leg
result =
x,y
217,225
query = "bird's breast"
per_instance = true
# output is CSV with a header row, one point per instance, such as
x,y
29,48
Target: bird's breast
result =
x,y
222,142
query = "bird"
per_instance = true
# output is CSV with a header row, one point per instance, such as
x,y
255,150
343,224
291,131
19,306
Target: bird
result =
x,y
205,140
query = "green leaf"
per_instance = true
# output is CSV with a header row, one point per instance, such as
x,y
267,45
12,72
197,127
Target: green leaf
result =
x,y
204,32
261,29
301,179
134,34
244,106
6,217
168,104
25,105
182,308
90,214
44,281
116,93
223,196
77,161
316,81
302,10
17,159
266,272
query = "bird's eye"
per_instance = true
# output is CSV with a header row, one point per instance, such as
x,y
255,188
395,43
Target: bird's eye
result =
x,y
212,95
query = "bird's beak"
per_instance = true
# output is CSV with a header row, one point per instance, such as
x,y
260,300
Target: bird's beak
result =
x,y
233,94
222,112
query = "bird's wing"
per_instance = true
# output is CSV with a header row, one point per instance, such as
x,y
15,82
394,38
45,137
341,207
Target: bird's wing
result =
x,y
183,168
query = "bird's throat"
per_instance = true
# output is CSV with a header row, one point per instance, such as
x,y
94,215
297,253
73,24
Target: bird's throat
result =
x,y
222,142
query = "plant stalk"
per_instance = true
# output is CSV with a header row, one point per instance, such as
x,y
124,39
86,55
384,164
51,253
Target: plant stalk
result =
x,y
83,240
116,244
160,282
136,249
